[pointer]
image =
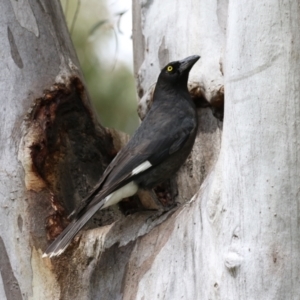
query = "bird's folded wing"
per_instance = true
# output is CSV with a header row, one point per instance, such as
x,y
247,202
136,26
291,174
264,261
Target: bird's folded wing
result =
x,y
129,163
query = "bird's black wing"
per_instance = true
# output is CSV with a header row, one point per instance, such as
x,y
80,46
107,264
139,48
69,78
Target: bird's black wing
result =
x,y
154,148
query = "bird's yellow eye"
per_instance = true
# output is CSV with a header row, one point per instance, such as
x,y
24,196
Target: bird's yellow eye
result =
x,y
169,68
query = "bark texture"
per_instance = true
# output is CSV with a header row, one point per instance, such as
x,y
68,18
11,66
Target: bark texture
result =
x,y
239,237
52,147
235,234
53,151
260,237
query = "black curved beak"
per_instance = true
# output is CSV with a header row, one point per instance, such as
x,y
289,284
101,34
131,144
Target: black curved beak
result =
x,y
187,63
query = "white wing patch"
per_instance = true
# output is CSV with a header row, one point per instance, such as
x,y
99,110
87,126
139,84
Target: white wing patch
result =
x,y
142,167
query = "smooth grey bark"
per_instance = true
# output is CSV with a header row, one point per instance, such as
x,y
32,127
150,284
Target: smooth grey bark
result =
x,y
34,46
49,137
53,151
237,238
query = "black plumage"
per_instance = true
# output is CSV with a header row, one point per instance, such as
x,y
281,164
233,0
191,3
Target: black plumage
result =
x,y
155,152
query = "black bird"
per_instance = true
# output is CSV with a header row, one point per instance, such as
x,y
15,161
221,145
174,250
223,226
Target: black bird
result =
x,y
155,152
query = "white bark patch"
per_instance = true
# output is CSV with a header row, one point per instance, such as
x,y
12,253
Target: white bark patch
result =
x,y
233,260
67,69
200,33
25,16
44,282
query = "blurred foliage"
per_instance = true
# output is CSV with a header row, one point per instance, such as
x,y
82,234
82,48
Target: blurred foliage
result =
x,y
110,82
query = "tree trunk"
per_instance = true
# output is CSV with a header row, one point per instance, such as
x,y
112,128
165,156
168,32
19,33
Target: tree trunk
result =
x,y
237,238
52,148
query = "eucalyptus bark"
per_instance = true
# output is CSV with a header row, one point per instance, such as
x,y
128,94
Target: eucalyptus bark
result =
x,y
52,147
239,236
235,234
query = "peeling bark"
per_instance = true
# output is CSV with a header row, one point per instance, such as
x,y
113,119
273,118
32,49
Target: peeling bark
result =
x,y
53,150
238,237
234,233
61,144
56,153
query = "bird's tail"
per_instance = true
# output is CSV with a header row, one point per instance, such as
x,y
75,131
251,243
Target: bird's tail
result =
x,y
63,240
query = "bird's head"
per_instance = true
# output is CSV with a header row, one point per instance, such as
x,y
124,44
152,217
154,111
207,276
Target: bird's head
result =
x,y
177,72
